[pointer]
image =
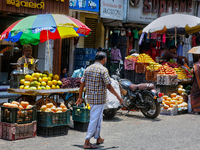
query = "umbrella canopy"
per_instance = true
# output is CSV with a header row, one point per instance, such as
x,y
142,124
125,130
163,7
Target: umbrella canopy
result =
x,y
182,22
195,50
42,27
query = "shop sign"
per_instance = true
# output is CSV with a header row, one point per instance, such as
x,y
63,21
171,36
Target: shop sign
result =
x,y
145,11
86,5
112,9
18,3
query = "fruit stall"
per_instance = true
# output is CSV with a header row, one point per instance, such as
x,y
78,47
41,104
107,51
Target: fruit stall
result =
x,y
43,117
169,78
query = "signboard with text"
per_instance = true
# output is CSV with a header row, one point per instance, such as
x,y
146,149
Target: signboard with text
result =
x,y
144,11
112,9
86,5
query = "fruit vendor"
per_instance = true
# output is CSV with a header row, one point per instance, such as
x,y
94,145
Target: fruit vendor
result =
x,y
27,59
171,54
97,81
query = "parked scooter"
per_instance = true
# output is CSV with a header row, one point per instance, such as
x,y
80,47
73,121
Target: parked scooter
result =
x,y
142,97
112,105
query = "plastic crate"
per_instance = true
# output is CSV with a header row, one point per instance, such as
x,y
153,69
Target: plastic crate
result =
x,y
14,131
50,119
81,114
52,131
140,67
149,75
167,89
14,115
81,126
139,78
130,75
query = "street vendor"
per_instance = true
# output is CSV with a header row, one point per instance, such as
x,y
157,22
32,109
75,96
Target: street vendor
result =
x,y
171,54
27,58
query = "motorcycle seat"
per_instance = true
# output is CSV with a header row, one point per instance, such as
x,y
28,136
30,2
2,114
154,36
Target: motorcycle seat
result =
x,y
133,87
142,86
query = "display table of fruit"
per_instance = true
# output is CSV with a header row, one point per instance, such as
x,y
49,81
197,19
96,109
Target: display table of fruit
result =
x,y
45,83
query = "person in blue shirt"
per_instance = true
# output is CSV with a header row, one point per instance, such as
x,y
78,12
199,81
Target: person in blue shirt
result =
x,y
64,73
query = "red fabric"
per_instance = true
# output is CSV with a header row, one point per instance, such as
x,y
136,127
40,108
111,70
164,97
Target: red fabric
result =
x,y
194,40
130,47
158,45
155,53
147,52
52,36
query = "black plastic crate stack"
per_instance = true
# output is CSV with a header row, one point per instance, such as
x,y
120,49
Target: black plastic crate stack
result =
x,y
18,124
82,55
53,124
130,75
81,118
140,78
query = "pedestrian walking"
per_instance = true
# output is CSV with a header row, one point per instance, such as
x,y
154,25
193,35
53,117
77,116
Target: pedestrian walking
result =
x,y
96,80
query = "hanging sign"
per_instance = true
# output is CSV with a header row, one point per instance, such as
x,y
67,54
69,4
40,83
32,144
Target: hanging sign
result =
x,y
87,5
112,9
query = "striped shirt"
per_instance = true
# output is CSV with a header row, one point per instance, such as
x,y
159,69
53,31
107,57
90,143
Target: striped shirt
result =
x,y
96,78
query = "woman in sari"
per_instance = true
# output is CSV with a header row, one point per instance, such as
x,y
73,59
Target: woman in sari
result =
x,y
195,92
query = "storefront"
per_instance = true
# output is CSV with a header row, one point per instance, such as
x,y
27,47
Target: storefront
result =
x,y
11,11
145,12
88,13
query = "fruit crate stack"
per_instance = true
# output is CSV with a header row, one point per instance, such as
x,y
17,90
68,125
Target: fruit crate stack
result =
x,y
82,55
81,118
18,121
53,121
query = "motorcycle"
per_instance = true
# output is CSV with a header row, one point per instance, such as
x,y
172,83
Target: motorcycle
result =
x,y
142,97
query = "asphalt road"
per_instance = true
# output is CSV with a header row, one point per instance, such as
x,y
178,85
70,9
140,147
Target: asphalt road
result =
x,y
131,132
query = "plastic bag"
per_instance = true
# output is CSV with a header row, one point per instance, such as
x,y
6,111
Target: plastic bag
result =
x,y
78,73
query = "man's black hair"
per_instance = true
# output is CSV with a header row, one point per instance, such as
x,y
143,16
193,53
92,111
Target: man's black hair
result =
x,y
172,47
100,56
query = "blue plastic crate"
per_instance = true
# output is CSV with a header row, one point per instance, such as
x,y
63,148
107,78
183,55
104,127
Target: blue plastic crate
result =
x,y
50,119
80,114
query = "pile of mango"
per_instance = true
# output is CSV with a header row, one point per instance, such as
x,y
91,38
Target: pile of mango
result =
x,y
40,81
153,66
144,58
182,74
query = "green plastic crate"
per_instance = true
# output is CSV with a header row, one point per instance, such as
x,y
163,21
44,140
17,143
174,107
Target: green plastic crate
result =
x,y
14,115
50,119
81,114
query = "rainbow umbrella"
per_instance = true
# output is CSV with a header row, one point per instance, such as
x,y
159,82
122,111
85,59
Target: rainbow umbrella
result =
x,y
42,27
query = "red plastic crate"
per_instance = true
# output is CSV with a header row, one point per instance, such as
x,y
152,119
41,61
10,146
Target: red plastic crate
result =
x,y
149,75
14,131
140,67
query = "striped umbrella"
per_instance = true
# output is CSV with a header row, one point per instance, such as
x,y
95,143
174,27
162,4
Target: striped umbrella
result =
x,y
42,27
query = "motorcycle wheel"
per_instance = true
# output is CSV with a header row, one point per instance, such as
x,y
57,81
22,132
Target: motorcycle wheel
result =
x,y
152,109
110,113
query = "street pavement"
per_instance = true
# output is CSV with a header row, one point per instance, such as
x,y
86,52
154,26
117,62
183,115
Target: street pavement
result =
x,y
130,132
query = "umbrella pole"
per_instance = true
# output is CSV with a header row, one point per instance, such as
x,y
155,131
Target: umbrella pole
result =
x,y
49,52
175,36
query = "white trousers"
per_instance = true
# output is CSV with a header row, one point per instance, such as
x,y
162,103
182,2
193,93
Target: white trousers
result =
x,y
96,117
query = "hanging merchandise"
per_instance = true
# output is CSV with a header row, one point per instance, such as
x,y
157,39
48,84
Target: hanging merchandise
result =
x,y
186,48
158,41
194,40
153,38
180,50
164,40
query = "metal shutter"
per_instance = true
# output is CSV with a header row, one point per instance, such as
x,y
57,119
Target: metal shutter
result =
x,y
91,39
